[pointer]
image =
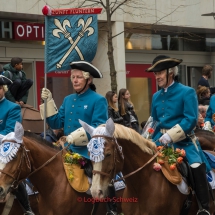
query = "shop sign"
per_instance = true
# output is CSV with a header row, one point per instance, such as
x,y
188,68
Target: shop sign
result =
x,y
28,31
22,31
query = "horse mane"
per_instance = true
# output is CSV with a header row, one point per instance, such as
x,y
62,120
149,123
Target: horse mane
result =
x,y
39,139
131,135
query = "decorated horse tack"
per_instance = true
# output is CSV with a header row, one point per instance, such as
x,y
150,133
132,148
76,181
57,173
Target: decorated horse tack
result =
x,y
11,143
147,185
49,177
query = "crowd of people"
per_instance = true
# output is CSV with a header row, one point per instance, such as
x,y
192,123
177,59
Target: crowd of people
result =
x,y
125,113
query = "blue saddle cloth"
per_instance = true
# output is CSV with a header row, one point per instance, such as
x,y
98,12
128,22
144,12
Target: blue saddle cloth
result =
x,y
210,158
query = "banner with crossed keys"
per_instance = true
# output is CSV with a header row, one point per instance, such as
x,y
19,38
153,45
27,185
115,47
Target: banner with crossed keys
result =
x,y
69,38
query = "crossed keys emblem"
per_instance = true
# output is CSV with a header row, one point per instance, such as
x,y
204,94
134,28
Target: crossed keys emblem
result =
x,y
62,29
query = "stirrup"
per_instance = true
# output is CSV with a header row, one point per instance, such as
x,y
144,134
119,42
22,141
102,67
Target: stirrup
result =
x,y
111,213
203,210
29,213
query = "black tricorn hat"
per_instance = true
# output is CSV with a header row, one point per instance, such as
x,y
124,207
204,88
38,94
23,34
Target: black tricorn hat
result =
x,y
4,80
162,62
86,67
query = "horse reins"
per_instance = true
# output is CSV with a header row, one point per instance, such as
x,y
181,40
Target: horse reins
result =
x,y
16,181
113,139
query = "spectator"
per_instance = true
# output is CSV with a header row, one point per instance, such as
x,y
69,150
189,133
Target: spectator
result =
x,y
113,112
206,74
203,94
126,110
18,90
200,122
203,110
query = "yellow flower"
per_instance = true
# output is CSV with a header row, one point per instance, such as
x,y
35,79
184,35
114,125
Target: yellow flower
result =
x,y
71,177
76,156
67,155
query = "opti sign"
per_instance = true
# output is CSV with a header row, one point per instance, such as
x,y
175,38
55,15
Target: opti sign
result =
x,y
28,31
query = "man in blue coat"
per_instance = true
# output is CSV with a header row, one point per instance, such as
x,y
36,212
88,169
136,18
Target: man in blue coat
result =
x,y
85,104
210,115
175,107
9,114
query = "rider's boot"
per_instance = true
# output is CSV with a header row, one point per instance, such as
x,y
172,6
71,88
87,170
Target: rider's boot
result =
x,y
111,204
201,188
22,196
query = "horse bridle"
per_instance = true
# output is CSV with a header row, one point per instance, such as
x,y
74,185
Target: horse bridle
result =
x,y
16,181
118,148
16,176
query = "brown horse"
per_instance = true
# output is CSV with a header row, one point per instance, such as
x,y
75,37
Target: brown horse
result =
x,y
56,195
206,139
147,191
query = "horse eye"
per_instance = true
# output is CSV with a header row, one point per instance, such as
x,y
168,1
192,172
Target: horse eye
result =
x,y
107,155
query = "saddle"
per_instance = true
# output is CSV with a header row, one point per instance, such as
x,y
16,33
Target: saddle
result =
x,y
31,119
76,176
172,176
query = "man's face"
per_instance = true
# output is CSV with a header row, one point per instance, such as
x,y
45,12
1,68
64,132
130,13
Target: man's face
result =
x,y
161,78
78,80
2,92
202,111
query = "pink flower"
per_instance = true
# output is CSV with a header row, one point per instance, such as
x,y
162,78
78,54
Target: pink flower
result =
x,y
157,166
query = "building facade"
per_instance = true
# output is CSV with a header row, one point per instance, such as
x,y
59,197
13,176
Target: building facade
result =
x,y
145,29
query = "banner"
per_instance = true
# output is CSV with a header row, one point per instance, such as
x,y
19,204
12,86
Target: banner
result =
x,y
69,38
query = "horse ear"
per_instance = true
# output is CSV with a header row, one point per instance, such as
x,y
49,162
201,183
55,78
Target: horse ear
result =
x,y
89,129
19,132
110,127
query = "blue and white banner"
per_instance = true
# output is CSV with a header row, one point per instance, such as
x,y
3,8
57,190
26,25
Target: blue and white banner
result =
x,y
69,38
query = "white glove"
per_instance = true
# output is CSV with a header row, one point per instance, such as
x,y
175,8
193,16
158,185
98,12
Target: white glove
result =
x,y
165,139
46,94
207,126
69,139
78,137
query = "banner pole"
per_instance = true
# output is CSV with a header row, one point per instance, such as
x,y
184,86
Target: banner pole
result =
x,y
45,106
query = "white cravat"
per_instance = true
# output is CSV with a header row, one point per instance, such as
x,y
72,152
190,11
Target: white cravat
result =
x,y
2,99
165,89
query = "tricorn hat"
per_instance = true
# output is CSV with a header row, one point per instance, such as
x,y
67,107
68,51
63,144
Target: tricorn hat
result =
x,y
86,67
4,80
162,62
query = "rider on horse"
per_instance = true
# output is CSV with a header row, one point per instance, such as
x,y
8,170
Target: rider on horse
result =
x,y
9,114
210,115
85,104
175,107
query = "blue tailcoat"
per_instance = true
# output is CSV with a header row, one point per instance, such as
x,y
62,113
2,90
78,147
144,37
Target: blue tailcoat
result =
x,y
9,113
178,105
90,107
211,111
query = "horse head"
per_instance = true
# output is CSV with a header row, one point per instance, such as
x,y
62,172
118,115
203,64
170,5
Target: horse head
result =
x,y
13,158
106,156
